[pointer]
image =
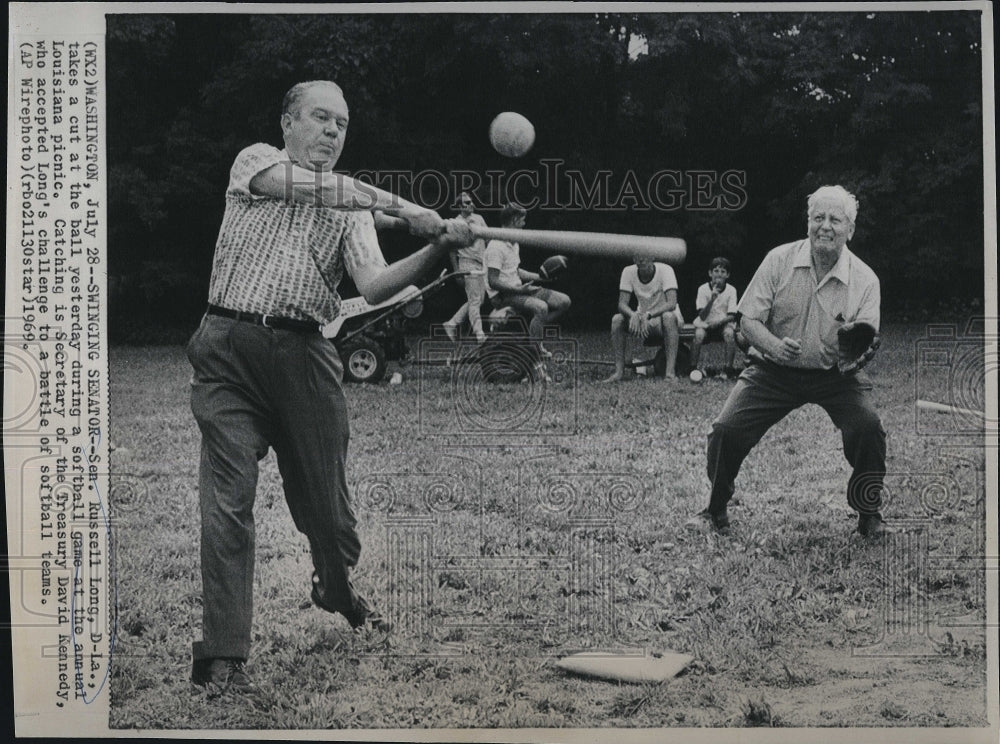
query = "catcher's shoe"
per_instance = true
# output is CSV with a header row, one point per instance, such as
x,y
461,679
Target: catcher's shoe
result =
x,y
872,525
719,520
222,675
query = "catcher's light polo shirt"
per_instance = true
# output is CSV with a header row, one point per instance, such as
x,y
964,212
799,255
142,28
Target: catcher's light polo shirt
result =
x,y
787,298
283,258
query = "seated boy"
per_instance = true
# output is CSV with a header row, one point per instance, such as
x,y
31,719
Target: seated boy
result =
x,y
716,306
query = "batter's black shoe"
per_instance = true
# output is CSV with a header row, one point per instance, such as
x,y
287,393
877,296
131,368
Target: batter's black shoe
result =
x,y
872,525
363,615
369,619
222,675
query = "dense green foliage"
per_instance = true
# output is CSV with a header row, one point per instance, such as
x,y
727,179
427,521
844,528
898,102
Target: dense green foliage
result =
x,y
888,104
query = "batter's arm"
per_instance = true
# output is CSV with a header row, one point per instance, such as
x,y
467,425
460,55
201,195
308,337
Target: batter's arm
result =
x,y
379,283
293,183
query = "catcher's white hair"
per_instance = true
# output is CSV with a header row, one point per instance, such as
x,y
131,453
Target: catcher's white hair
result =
x,y
847,200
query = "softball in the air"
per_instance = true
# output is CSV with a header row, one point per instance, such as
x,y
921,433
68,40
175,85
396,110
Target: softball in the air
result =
x,y
511,134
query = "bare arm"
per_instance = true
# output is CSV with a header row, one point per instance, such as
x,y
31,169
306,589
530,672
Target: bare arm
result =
x,y
502,284
670,296
624,298
528,276
379,283
293,183
703,312
385,222
779,349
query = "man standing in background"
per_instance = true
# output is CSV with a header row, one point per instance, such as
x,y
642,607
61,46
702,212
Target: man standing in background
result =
x,y
469,258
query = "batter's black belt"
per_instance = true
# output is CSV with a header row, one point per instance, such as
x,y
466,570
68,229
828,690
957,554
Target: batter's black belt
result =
x,y
268,321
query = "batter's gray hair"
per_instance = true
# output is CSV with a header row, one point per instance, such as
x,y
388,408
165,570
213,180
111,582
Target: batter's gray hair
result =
x,y
845,197
290,103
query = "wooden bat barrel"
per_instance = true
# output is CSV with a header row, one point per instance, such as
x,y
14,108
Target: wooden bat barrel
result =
x,y
609,245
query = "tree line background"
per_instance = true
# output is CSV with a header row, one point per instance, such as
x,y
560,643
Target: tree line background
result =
x,y
887,104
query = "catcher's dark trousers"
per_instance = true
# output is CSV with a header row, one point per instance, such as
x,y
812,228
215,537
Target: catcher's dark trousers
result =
x,y
765,393
255,387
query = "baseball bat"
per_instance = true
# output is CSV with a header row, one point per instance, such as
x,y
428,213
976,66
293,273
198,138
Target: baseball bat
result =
x,y
926,405
608,245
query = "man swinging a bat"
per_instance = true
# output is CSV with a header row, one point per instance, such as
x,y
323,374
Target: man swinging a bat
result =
x,y
811,314
265,377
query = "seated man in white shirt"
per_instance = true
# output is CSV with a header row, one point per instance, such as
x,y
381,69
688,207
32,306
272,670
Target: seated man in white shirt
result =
x,y
654,286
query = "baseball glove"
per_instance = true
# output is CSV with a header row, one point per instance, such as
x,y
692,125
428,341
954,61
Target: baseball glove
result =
x,y
856,345
552,267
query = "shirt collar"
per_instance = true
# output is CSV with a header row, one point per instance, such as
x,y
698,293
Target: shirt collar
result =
x,y
840,271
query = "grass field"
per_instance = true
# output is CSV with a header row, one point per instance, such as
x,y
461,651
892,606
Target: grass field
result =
x,y
505,526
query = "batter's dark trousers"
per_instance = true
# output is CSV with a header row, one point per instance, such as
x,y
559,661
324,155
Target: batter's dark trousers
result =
x,y
255,387
765,393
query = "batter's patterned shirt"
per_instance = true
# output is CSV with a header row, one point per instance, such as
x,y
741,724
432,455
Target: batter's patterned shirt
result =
x,y
283,258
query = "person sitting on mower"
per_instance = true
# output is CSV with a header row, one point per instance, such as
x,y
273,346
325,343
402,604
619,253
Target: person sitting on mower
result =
x,y
508,285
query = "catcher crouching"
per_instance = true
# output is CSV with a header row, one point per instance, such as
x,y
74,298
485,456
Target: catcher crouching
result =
x,y
811,314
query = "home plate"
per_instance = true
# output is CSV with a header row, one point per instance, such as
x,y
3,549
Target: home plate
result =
x,y
625,667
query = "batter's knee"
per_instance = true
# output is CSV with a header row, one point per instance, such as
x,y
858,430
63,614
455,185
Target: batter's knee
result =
x,y
617,323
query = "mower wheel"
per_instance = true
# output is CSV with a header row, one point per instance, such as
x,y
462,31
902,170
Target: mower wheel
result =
x,y
364,360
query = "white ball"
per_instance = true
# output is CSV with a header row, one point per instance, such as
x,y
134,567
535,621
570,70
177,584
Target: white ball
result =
x,y
396,379
511,134
696,376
